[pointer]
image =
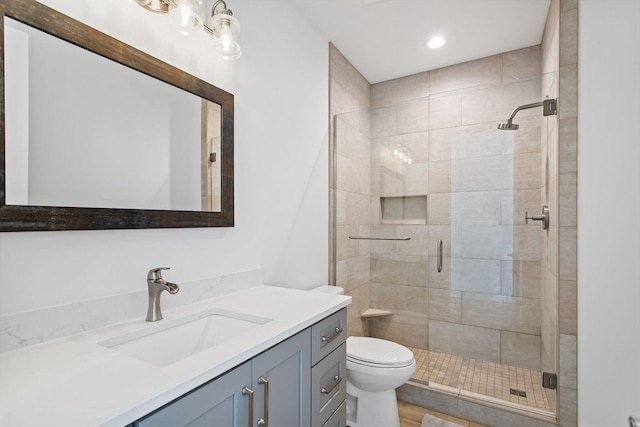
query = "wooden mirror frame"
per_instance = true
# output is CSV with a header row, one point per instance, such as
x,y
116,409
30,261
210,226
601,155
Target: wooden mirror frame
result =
x,y
43,218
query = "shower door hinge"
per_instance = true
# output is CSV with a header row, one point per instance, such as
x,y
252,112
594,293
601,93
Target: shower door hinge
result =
x,y
549,107
549,380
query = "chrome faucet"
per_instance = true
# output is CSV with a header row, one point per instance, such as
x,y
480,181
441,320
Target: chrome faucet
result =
x,y
156,285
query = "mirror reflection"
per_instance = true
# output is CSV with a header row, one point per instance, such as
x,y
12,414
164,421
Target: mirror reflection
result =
x,y
84,131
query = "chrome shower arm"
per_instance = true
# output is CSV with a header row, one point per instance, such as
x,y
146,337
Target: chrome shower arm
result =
x,y
525,107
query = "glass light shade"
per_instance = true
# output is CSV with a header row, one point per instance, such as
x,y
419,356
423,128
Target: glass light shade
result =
x,y
226,29
184,13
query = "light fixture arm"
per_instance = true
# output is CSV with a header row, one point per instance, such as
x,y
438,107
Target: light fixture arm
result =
x,y
224,10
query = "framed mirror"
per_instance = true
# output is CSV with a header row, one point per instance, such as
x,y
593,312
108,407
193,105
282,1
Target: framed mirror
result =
x,y
99,135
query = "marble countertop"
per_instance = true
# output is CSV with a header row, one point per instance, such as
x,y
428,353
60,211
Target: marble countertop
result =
x,y
75,381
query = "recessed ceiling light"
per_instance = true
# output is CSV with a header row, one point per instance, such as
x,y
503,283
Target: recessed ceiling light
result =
x,y
436,42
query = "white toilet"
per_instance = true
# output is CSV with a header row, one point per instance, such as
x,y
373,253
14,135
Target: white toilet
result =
x,y
375,368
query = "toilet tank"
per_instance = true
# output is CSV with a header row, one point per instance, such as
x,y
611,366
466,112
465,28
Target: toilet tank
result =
x,y
335,290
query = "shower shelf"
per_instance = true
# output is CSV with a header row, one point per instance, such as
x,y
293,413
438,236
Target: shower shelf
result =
x,y
376,312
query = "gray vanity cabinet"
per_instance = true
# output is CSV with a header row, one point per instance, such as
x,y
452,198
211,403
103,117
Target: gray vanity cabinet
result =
x,y
276,381
216,403
296,383
281,383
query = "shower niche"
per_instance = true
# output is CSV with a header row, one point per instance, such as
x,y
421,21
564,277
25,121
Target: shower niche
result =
x,y
403,210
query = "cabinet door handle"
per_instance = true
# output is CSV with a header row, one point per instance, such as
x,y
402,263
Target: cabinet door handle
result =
x,y
264,422
246,391
337,380
337,331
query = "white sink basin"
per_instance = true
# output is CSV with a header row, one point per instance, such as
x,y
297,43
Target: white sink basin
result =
x,y
170,341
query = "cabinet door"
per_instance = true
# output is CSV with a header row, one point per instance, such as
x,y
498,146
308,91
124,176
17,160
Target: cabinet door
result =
x,y
286,368
218,403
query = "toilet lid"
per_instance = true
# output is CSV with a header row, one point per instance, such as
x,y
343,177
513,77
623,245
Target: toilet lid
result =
x,y
378,352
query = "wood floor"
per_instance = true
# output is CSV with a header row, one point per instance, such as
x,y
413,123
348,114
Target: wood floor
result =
x,y
411,416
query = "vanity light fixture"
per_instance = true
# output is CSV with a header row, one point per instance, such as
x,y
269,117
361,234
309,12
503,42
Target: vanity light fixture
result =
x,y
223,26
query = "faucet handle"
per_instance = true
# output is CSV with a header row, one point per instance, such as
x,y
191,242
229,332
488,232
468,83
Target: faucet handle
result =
x,y
156,273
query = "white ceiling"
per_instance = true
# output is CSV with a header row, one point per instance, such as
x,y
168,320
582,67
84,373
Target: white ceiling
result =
x,y
385,39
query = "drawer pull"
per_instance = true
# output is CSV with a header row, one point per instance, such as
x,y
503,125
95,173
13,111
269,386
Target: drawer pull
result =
x,y
337,380
247,391
264,422
337,331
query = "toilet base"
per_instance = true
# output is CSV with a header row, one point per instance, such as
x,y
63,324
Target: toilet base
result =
x,y
374,408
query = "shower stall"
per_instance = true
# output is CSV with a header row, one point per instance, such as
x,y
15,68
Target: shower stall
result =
x,y
439,203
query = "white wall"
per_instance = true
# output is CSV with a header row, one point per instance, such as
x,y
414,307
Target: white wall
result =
x,y
608,212
280,88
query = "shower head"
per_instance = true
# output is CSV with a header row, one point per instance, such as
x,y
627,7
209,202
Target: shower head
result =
x,y
508,126
549,107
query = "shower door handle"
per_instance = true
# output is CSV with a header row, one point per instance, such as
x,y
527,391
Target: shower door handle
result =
x,y
439,256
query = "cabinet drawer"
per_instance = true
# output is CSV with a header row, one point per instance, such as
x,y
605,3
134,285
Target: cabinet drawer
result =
x,y
339,418
328,385
327,335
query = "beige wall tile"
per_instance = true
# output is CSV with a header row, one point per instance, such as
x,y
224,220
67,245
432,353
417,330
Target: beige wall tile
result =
x,y
472,341
439,209
527,171
521,63
515,203
409,334
400,270
338,66
501,312
382,296
419,243
478,208
568,416
347,248
568,5
440,177
340,100
485,71
569,37
567,214
527,242
412,299
521,278
520,350
445,112
417,145
482,174
413,117
568,98
415,179
568,145
383,122
485,242
445,305
475,275
567,253
353,272
485,105
567,309
397,91
568,352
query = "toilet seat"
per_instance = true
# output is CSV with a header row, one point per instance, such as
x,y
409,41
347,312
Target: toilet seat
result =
x,y
376,352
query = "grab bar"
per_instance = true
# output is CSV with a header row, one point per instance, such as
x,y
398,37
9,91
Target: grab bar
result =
x,y
379,238
439,256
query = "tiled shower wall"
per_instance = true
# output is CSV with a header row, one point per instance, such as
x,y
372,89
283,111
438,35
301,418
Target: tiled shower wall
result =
x,y
350,93
350,198
478,182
